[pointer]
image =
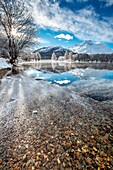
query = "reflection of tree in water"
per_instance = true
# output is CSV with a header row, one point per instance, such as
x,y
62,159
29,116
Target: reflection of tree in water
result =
x,y
38,56
70,56
67,66
53,65
37,65
53,57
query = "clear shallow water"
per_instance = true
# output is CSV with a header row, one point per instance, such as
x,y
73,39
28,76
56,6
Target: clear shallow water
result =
x,y
95,74
61,79
68,77
108,75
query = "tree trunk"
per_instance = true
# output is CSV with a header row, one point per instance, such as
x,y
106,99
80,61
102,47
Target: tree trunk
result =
x,y
12,50
14,71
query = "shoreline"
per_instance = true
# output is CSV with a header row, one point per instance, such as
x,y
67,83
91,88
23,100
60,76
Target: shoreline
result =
x,y
102,65
44,126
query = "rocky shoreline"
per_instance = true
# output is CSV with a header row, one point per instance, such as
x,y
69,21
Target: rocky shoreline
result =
x,y
3,72
44,126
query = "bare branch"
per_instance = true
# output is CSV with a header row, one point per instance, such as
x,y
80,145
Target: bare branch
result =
x,y
18,26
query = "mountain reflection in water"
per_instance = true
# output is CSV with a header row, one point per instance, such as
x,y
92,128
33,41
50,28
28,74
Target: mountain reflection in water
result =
x,y
65,74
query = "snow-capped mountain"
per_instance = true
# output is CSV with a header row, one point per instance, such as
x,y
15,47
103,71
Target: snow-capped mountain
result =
x,y
89,47
46,52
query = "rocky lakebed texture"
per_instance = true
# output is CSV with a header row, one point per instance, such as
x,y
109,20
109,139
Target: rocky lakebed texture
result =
x,y
46,126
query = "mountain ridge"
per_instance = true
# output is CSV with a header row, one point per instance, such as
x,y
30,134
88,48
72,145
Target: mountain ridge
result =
x,y
46,52
89,47
86,47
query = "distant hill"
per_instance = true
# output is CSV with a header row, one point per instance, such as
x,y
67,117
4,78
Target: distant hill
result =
x,y
89,47
46,52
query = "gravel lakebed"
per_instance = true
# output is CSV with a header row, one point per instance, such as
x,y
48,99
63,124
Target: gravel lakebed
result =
x,y
45,126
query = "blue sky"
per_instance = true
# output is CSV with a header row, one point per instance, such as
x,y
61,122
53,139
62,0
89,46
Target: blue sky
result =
x,y
70,22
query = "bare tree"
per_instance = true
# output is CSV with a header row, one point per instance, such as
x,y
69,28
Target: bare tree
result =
x,y
53,56
18,26
70,56
38,56
66,57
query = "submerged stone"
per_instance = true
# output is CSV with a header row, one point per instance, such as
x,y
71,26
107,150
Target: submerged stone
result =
x,y
34,112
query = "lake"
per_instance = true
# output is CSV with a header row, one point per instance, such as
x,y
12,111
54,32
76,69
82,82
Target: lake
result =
x,y
64,74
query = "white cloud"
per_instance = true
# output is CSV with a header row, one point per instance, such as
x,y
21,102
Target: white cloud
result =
x,y
76,0
64,36
107,2
82,0
84,24
69,0
37,42
40,40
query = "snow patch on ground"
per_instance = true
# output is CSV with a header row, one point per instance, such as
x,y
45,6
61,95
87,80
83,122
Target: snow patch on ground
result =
x,y
4,64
